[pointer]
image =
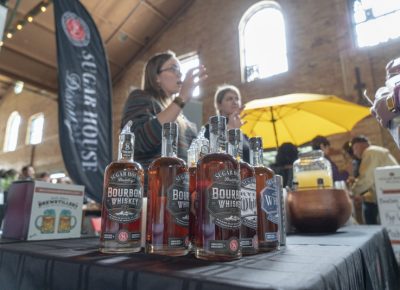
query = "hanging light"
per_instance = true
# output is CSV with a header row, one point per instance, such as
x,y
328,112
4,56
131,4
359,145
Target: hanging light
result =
x,y
19,26
43,8
30,18
9,35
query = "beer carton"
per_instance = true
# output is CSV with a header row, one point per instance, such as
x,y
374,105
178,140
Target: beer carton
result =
x,y
387,184
41,211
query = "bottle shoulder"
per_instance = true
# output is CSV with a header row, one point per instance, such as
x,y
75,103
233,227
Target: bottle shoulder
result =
x,y
120,165
263,170
167,161
212,157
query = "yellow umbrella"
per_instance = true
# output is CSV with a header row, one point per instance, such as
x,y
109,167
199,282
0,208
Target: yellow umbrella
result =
x,y
298,118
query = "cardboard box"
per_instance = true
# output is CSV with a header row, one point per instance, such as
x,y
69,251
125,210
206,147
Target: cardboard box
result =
x,y
387,184
40,211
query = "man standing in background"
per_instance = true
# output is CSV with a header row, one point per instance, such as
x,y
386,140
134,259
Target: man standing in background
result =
x,y
363,187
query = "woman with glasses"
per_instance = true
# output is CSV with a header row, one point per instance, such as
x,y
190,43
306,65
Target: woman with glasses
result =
x,y
161,100
228,103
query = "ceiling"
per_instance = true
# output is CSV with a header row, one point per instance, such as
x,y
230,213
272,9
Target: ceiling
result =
x,y
127,27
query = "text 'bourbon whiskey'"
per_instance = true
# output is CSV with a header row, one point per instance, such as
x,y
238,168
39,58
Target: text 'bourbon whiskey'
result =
x,y
218,199
248,228
168,199
122,200
267,203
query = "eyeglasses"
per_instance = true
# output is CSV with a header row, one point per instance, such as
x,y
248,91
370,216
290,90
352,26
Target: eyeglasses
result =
x,y
175,69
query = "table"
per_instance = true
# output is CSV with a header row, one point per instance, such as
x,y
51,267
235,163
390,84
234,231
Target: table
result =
x,y
357,257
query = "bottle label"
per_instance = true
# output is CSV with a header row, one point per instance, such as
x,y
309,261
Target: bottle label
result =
x,y
122,237
223,199
269,202
248,202
127,147
124,196
178,199
230,246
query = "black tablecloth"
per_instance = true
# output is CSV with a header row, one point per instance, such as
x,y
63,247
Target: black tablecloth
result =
x,y
357,257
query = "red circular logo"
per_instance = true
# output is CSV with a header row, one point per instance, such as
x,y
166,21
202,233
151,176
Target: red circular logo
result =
x,y
123,236
233,245
75,29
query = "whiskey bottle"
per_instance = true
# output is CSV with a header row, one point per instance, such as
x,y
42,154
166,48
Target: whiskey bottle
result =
x,y
192,163
248,228
266,195
168,199
201,147
122,199
218,199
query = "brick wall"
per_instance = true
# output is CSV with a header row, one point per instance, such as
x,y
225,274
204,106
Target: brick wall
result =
x,y
322,58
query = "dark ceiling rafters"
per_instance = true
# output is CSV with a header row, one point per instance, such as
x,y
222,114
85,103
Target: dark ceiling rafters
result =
x,y
30,56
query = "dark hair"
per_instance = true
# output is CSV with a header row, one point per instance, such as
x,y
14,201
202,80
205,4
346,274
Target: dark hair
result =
x,y
318,141
359,139
25,168
44,174
287,154
347,148
151,70
220,94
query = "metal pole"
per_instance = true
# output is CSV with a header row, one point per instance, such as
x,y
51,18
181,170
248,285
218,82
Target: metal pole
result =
x,y
273,120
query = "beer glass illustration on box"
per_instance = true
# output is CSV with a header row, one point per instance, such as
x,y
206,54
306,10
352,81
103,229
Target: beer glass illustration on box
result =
x,y
66,222
46,222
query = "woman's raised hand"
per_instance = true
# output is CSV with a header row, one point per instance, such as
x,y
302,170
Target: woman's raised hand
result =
x,y
193,78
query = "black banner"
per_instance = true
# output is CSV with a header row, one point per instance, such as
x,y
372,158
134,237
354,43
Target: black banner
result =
x,y
84,89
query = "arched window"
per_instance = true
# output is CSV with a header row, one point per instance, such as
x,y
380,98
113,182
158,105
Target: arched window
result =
x,y
375,21
35,129
11,138
262,41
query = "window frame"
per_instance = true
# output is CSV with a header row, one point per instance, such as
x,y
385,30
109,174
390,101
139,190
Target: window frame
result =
x,y
29,128
9,131
250,12
350,5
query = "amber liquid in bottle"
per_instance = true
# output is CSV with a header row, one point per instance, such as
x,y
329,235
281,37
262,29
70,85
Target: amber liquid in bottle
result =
x,y
266,196
192,211
168,200
248,229
218,200
122,201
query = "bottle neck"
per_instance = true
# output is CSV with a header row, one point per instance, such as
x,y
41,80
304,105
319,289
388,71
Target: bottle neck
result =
x,y
125,147
218,142
256,158
233,149
168,147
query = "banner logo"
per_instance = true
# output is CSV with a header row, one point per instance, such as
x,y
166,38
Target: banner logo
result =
x,y
76,29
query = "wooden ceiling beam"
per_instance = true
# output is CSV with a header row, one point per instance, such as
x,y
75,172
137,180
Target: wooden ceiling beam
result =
x,y
28,80
123,21
29,55
156,11
145,48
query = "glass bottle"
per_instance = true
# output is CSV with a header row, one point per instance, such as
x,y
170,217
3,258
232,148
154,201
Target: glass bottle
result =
x,y
310,167
218,199
266,195
192,163
122,199
248,228
168,199
199,148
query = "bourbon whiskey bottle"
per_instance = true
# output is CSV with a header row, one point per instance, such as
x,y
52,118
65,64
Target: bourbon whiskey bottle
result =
x,y
266,195
168,199
192,163
218,199
122,199
248,228
199,148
